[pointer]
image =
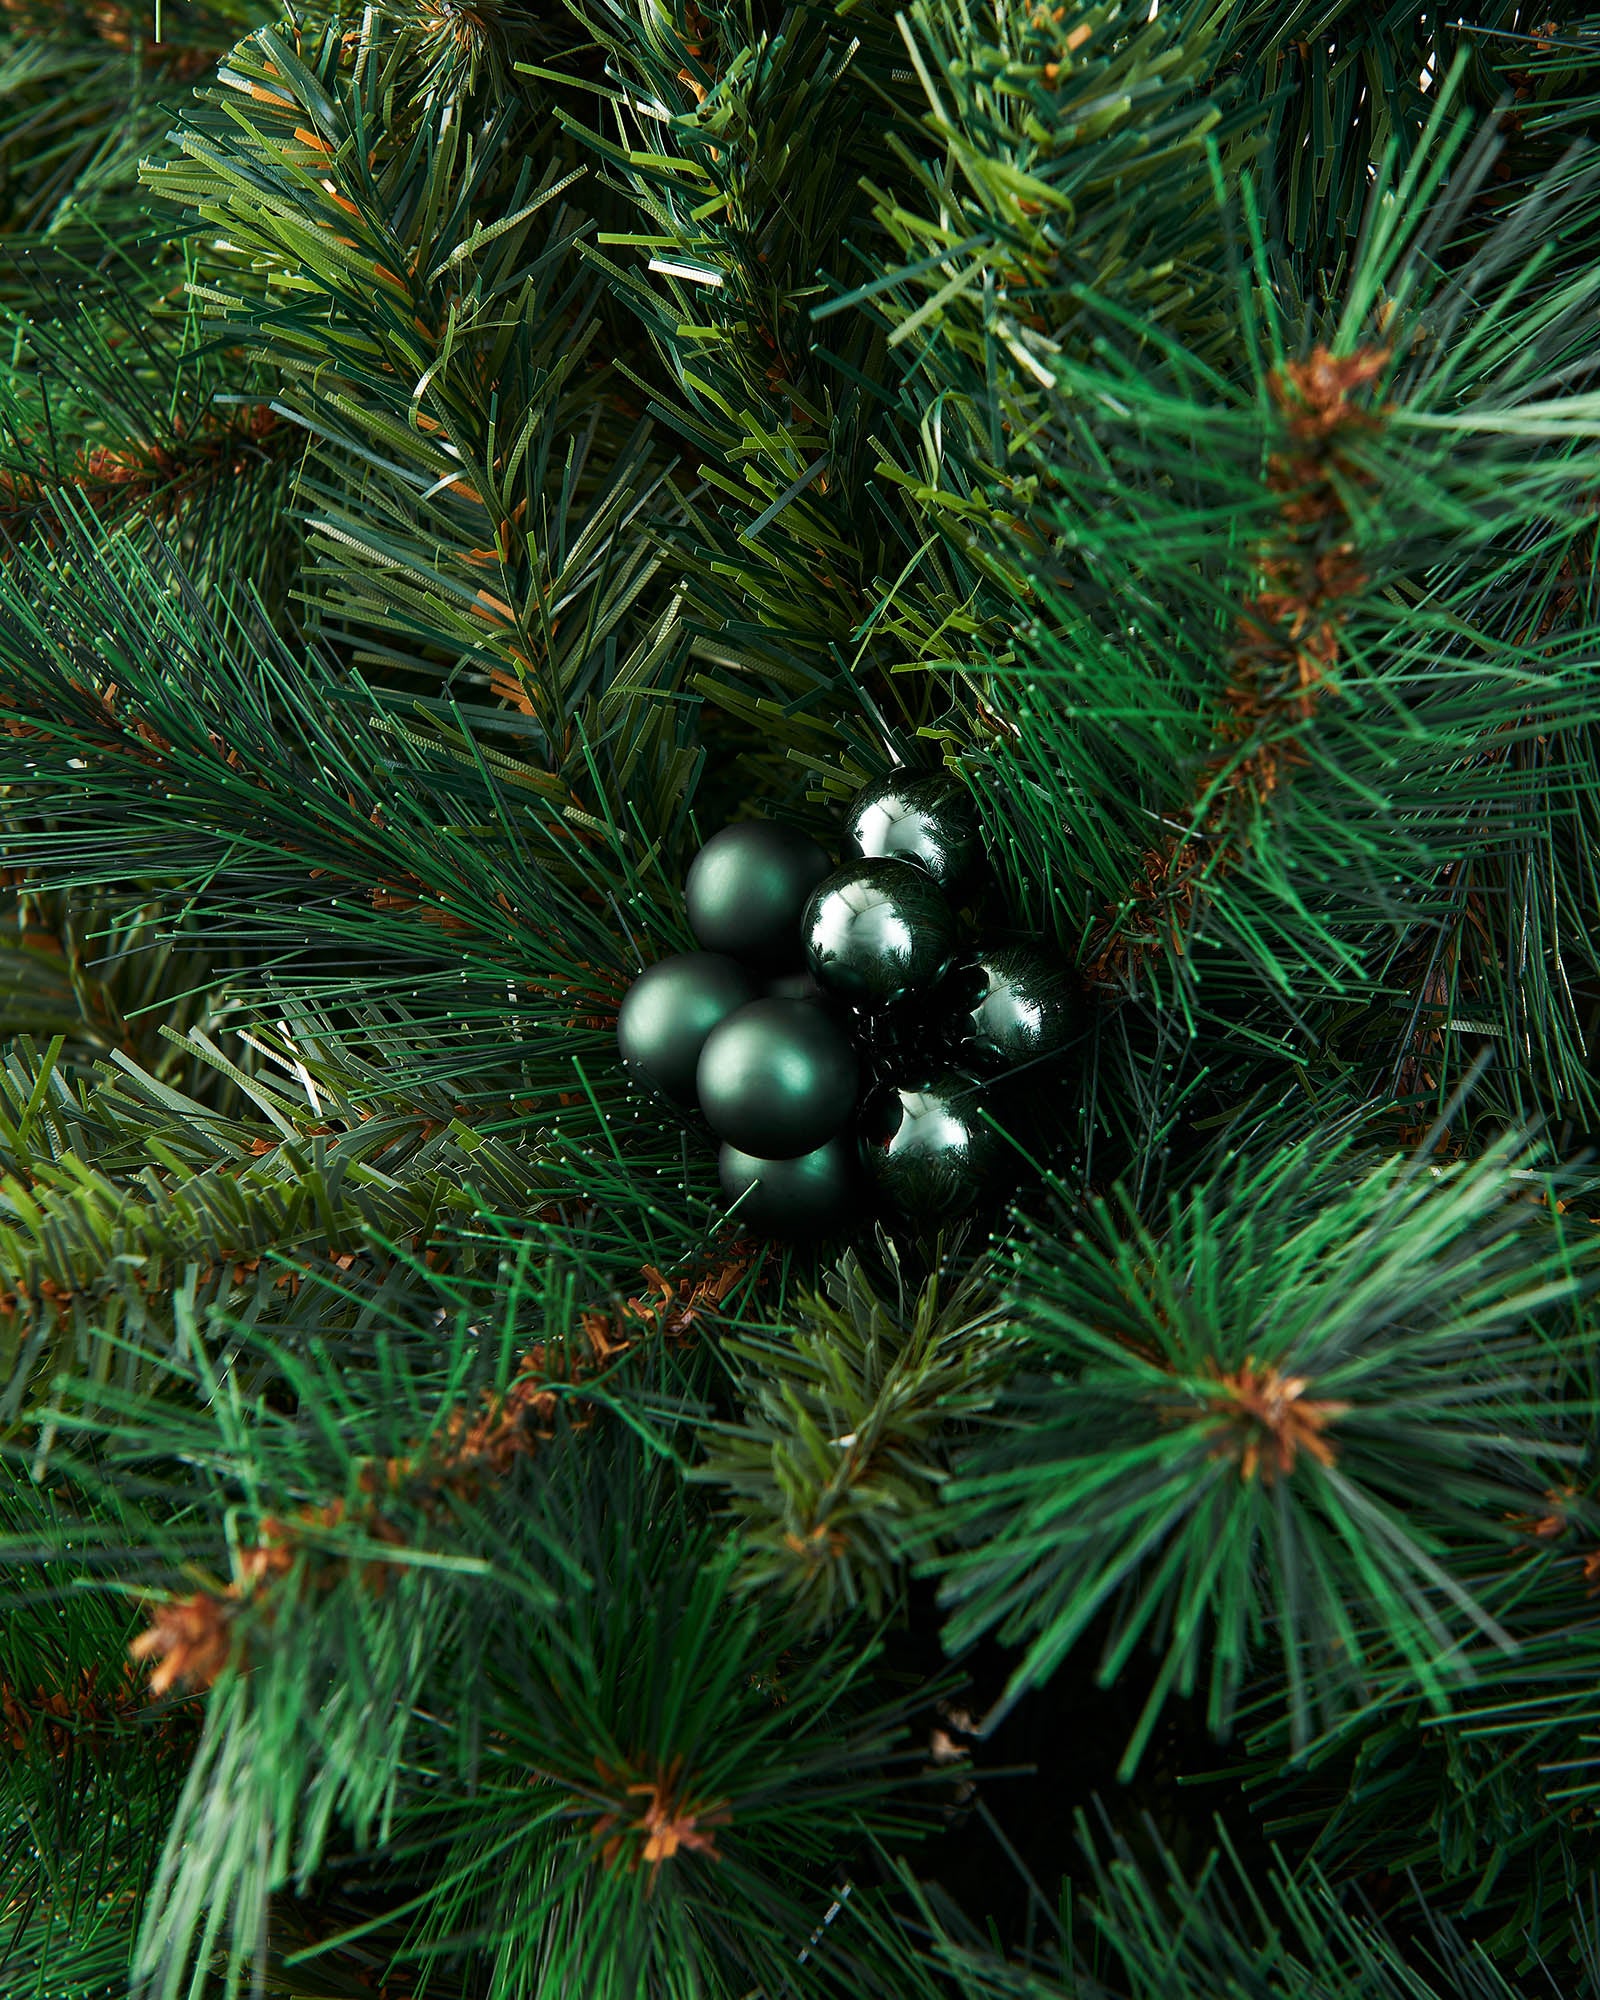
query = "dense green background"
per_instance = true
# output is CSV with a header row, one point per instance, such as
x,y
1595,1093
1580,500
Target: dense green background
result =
x,y
453,458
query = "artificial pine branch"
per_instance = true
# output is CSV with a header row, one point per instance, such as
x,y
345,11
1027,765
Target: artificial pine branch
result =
x,y
842,1446
1163,1933
1270,908
106,980
1289,1420
782,551
745,1781
84,90
92,1772
696,410
1491,1809
468,489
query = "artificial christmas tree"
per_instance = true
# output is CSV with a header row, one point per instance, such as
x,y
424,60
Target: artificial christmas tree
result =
x,y
1113,1511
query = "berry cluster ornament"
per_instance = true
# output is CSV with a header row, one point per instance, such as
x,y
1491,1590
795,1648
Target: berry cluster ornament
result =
x,y
670,1009
835,1029
942,1026
741,1032
1014,1006
777,1078
807,1196
929,1148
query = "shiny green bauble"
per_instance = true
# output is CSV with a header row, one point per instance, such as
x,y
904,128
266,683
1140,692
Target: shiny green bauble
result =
x,y
669,1010
928,820
746,888
790,1199
778,1078
927,1149
875,931
1015,1006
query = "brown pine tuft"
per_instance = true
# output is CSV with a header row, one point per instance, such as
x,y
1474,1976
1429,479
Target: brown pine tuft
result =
x,y
671,1822
68,1716
1286,651
1267,1421
155,476
192,1637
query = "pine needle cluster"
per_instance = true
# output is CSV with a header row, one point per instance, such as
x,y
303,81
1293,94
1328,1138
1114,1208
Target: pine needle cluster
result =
x,y
452,459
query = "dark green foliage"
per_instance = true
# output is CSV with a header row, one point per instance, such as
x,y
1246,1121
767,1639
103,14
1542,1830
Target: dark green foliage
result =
x,y
843,1444
779,542
92,1771
1443,589
1223,1935
760,1747
453,458
114,404
108,979
85,90
511,1619
119,1194
471,497
1492,1810
1285,1422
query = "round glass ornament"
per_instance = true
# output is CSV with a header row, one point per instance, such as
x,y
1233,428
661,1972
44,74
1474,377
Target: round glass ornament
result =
x,y
777,1078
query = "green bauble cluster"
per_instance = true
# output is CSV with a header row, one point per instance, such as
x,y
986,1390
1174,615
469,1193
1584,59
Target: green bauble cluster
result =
x,y
944,1024
747,886
926,820
741,1032
834,1028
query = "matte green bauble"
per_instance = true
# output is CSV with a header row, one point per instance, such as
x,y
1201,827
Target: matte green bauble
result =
x,y
875,931
1016,1006
927,1148
669,1010
795,986
790,1199
805,986
929,820
746,888
778,1078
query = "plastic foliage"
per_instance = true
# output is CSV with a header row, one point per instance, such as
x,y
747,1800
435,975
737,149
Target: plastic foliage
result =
x,y
507,1642
1283,1425
847,1417
1148,1929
